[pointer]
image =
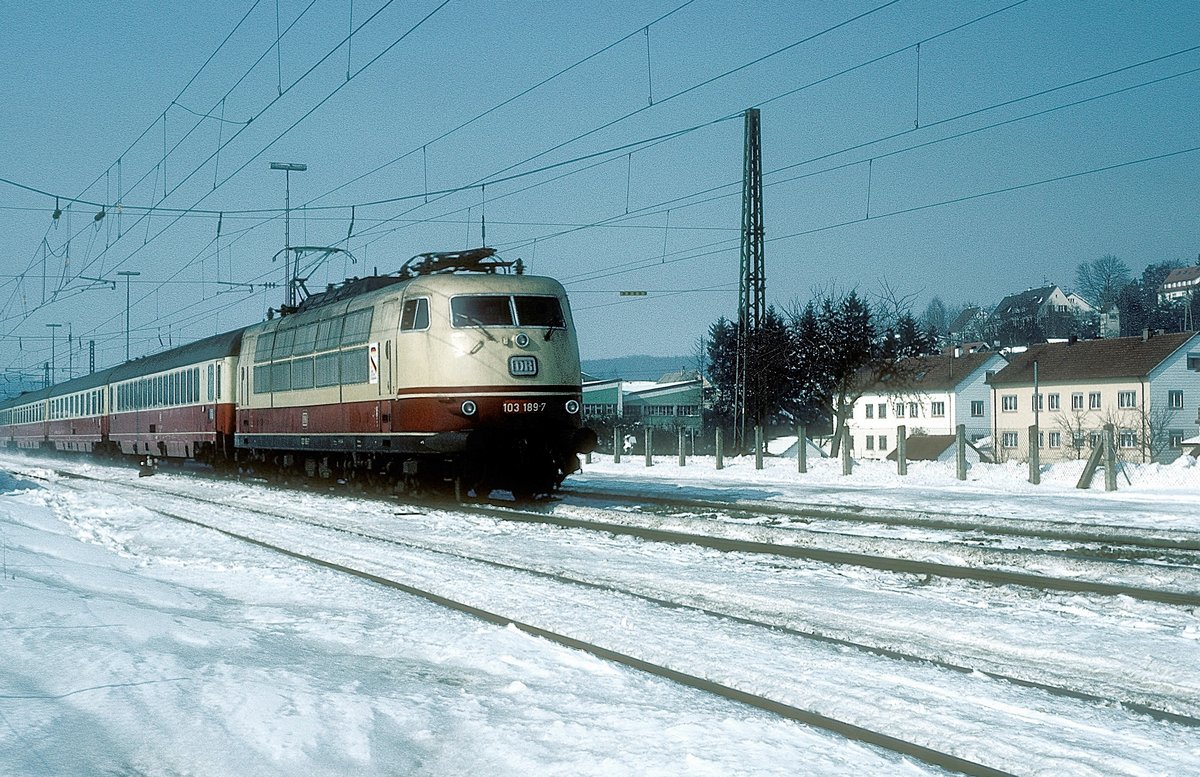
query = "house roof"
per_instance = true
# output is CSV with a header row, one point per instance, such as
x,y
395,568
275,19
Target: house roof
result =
x,y
1118,357
1024,303
964,319
644,390
933,373
1181,275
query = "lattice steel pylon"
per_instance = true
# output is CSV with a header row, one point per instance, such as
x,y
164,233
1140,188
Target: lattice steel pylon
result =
x,y
752,289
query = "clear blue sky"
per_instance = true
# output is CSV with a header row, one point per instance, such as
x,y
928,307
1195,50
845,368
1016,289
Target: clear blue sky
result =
x,y
81,81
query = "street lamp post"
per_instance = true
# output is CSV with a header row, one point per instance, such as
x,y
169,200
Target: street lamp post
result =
x,y
53,351
128,274
288,168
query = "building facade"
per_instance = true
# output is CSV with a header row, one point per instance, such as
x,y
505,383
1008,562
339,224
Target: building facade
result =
x,y
934,396
1147,387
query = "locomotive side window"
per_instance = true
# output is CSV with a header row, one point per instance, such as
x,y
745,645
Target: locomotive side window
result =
x,y
415,315
481,311
354,366
327,370
262,349
357,327
329,334
283,343
302,373
540,312
306,338
262,379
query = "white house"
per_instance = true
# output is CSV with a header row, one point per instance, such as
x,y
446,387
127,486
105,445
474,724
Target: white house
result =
x,y
935,395
1147,387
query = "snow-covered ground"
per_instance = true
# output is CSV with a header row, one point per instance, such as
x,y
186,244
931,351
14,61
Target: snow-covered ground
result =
x,y
133,643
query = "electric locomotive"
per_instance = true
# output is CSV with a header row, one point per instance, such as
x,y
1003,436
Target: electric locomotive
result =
x,y
460,368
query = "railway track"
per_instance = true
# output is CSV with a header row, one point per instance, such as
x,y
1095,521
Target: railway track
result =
x,y
711,611
1139,540
851,731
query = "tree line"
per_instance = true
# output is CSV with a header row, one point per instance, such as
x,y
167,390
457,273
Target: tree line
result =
x,y
811,363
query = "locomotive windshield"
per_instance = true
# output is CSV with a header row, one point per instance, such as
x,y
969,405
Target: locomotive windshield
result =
x,y
498,310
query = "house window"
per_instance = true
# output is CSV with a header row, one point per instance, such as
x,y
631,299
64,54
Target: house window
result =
x,y
899,409
1175,439
1175,398
1094,400
1055,439
914,409
1037,402
870,411
1041,439
977,408
938,409
883,410
1077,401
1126,399
870,442
883,442
1093,439
1127,439
1008,403
1008,439
1193,362
1052,402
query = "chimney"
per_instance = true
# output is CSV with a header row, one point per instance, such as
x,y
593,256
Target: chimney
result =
x,y
957,351
1072,340
1145,335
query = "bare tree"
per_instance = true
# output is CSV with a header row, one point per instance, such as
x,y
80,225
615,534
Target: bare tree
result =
x,y
1156,425
1100,280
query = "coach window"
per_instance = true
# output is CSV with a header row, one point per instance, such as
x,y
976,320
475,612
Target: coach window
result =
x,y
415,315
211,390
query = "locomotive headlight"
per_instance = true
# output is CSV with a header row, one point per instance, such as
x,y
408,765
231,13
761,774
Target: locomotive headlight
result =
x,y
572,407
469,408
522,340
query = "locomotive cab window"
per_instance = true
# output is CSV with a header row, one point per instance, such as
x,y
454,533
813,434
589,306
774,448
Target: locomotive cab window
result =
x,y
481,311
545,312
415,315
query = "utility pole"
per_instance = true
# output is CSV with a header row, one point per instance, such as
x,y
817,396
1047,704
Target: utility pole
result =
x,y
53,351
128,274
290,274
752,289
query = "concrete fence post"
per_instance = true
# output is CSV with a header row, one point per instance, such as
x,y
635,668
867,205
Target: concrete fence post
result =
x,y
1110,459
720,448
616,445
1035,456
902,450
802,448
682,450
649,446
758,447
960,449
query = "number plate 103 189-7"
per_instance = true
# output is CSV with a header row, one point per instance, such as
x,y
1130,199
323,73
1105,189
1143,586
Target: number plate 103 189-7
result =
x,y
524,406
523,366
